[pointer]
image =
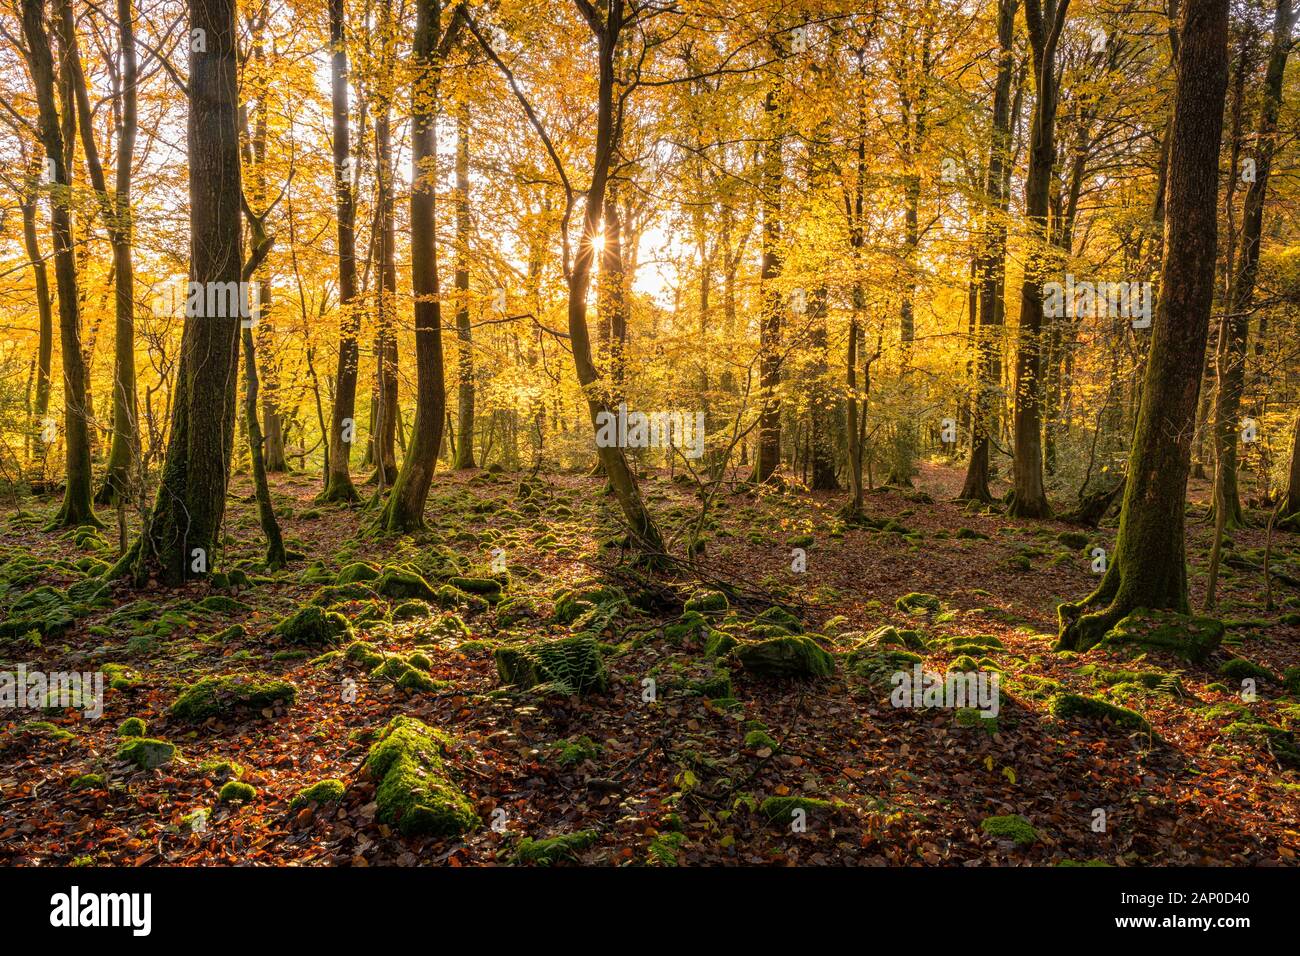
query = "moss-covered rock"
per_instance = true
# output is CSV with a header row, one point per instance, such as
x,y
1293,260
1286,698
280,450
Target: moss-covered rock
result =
x,y
311,626
320,792
590,606
791,655
487,588
776,620
707,602
235,791
1075,540
1192,638
1239,669
410,610
551,850
571,665
146,752
357,571
332,594
414,790
1065,706
890,636
403,583
131,727
917,602
1012,827
719,643
221,604
228,695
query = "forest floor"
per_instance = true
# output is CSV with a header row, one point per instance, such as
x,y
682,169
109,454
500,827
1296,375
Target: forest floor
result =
x,y
679,778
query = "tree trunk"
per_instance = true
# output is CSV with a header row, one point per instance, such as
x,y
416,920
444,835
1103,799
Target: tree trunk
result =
x,y
464,336
1149,567
338,482
1235,329
384,421
1029,494
183,531
77,507
45,315
991,265
767,458
405,509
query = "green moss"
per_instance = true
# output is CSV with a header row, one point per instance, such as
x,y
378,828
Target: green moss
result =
x,y
1291,680
231,635
569,753
1066,706
778,617
220,604
969,534
552,849
220,769
487,588
88,781
1010,827
414,790
323,791
780,810
716,685
131,727
1076,540
1193,638
719,643
590,606
410,610
919,603
363,653
758,738
146,753
332,594
236,791
964,663
785,656
311,626
689,627
707,602
229,694
890,636
1239,669
357,571
401,583
1151,680
571,664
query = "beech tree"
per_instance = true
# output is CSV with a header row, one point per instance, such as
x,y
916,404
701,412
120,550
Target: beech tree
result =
x,y
1149,566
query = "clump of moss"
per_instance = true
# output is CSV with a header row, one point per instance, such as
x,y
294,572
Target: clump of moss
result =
x,y
890,636
781,810
570,664
404,674
357,571
487,588
236,791
414,790
323,791
410,610
551,850
590,606
403,583
1076,540
1065,706
228,694
707,602
146,753
716,685
758,738
220,769
1192,638
1291,680
1010,827
220,604
778,621
917,602
1239,669
570,753
88,781
311,626
790,655
131,727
